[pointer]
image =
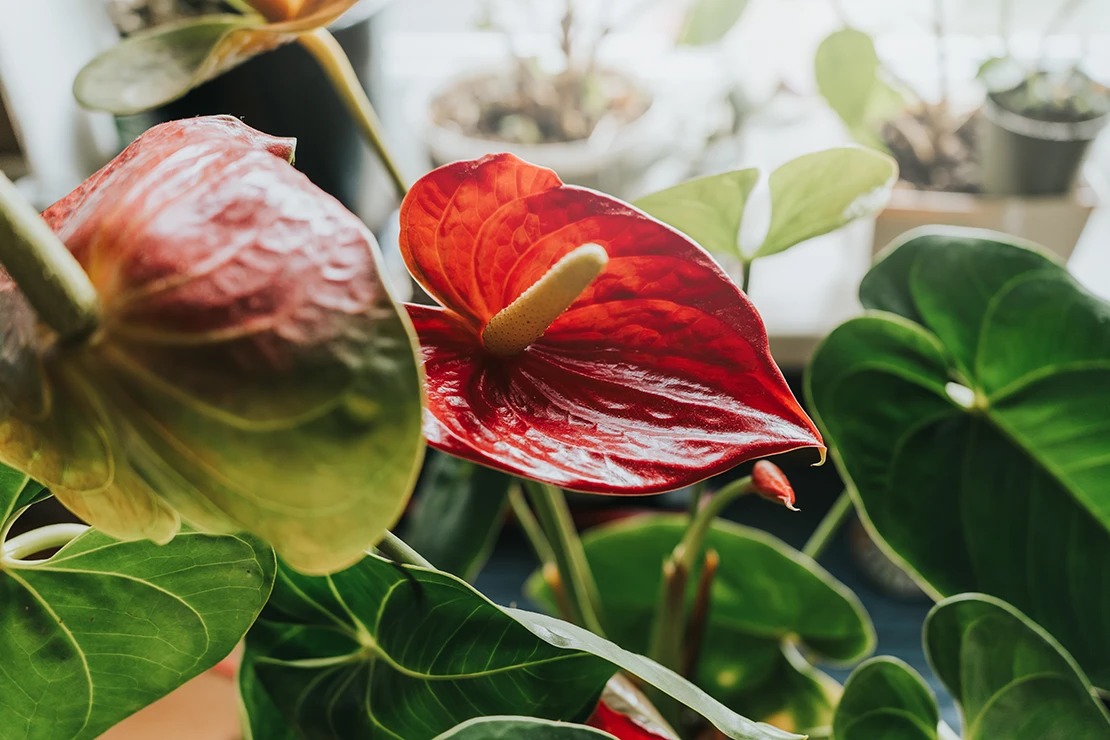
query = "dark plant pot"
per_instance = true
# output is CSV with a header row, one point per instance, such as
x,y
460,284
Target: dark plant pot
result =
x,y
1025,156
285,93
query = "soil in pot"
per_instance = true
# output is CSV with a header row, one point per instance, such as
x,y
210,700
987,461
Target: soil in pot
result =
x,y
933,151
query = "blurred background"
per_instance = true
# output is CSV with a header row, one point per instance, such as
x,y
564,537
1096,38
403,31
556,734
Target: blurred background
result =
x,y
993,109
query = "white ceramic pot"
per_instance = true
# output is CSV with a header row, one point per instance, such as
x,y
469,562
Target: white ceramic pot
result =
x,y
610,160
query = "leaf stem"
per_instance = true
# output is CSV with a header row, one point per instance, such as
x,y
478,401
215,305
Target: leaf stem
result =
x,y
699,614
574,571
689,548
333,60
43,538
46,272
829,526
531,527
746,280
394,548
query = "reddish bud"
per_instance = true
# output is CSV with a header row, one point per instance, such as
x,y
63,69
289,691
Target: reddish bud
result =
x,y
770,482
620,726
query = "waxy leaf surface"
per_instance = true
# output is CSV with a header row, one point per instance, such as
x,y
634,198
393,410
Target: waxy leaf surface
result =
x,y
382,650
657,376
251,371
969,413
103,628
763,593
158,66
1011,679
885,699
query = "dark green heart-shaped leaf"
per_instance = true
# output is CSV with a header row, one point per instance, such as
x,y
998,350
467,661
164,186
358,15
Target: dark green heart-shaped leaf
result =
x,y
158,66
820,192
764,592
104,628
708,209
525,728
885,699
708,21
1011,678
847,69
384,650
460,507
971,420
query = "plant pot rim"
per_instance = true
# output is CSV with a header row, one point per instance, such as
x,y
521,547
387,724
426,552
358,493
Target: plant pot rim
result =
x,y
1033,128
570,158
1088,193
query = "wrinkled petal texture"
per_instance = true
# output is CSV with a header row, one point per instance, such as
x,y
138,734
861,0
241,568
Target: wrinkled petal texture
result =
x,y
254,370
656,377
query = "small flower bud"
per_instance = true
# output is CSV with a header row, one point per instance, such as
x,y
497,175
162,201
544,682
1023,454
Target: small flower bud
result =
x,y
770,482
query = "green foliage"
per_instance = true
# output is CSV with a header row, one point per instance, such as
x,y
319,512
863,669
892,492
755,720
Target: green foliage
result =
x,y
709,21
763,594
812,195
969,412
526,728
1011,678
384,650
849,77
460,507
103,628
885,699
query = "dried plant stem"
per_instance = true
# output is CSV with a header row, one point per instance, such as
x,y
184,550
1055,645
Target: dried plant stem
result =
x,y
52,280
333,60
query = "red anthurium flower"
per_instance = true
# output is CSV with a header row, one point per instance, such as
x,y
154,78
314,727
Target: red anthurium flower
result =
x,y
581,342
620,726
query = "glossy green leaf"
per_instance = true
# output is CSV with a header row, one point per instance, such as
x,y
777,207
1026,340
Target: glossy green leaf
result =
x,y
460,507
709,21
764,592
384,651
823,191
847,69
525,728
885,699
708,209
1010,677
103,628
158,66
971,421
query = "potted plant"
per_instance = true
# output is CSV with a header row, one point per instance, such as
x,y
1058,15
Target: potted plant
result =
x,y
963,168
596,126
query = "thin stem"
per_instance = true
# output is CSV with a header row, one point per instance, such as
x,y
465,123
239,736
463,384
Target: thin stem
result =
x,y
699,614
574,571
532,529
689,548
746,280
46,272
829,526
331,57
43,538
394,548
696,493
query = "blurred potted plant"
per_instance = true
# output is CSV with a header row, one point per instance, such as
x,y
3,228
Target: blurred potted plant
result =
x,y
594,125
987,168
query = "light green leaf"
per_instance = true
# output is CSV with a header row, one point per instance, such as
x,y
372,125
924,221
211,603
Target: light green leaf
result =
x,y
709,21
823,191
708,209
384,651
460,507
1011,678
526,728
885,699
158,66
763,593
970,418
104,628
848,73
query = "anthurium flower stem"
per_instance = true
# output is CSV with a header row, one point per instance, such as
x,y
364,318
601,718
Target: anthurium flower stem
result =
x,y
331,57
43,538
49,276
699,614
397,550
577,579
670,618
531,527
829,526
